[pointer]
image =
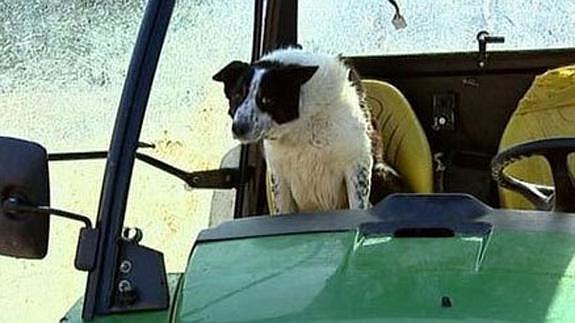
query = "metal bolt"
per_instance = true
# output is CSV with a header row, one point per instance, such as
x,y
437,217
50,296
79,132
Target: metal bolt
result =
x,y
125,267
195,179
124,286
132,234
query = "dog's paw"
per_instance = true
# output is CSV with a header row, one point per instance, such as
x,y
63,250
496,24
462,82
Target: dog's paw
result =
x,y
385,180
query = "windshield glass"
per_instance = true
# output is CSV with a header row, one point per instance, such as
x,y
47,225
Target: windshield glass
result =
x,y
58,82
362,27
188,123
62,69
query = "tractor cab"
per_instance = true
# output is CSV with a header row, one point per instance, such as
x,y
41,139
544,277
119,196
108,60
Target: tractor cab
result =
x,y
476,107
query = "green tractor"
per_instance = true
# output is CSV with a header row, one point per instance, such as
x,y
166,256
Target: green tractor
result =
x,y
486,233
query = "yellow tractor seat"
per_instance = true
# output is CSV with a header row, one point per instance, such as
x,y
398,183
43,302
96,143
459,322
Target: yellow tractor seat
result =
x,y
546,110
405,145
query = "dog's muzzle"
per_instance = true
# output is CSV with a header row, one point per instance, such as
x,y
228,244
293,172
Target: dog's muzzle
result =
x,y
247,126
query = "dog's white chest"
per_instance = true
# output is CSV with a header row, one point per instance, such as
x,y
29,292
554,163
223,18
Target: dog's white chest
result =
x,y
316,182
317,187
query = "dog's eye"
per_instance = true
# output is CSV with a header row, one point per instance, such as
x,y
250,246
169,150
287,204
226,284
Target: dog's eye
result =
x,y
266,100
239,95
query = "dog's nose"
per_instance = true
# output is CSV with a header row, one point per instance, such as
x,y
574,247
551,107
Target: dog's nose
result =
x,y
240,128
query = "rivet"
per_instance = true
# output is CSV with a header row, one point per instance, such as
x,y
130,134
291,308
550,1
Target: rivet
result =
x,y
125,266
124,286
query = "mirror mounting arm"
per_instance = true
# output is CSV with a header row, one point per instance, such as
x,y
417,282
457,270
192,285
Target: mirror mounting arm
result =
x,y
85,259
15,205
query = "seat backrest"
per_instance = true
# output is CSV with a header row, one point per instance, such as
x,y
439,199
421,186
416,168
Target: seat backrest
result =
x,y
405,144
546,110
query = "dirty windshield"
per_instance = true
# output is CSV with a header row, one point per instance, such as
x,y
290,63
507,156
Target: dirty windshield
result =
x,y
355,27
62,68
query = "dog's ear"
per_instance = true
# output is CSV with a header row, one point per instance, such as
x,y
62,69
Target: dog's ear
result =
x,y
231,72
300,74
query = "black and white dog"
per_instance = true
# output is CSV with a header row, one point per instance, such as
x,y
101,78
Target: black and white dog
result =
x,y
319,139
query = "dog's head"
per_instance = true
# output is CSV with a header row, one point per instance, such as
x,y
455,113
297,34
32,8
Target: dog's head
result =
x,y
263,96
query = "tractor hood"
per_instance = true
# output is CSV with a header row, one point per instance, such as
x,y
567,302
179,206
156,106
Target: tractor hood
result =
x,y
411,258
501,266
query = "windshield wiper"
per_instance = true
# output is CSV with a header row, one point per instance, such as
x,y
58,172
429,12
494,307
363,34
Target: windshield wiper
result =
x,y
222,178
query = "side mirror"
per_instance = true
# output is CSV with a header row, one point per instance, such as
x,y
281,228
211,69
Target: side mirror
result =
x,y
23,176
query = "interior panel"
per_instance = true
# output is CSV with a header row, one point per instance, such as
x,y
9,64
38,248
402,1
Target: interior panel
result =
x,y
480,100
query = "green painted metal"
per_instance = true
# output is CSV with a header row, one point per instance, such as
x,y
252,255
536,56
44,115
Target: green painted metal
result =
x,y
74,315
508,276
326,277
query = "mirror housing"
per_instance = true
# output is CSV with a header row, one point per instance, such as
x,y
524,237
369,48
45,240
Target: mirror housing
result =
x,y
23,176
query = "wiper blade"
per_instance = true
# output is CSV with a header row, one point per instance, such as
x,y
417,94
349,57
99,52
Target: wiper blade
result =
x,y
85,155
223,178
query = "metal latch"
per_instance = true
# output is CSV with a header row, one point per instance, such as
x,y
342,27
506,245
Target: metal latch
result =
x,y
483,39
